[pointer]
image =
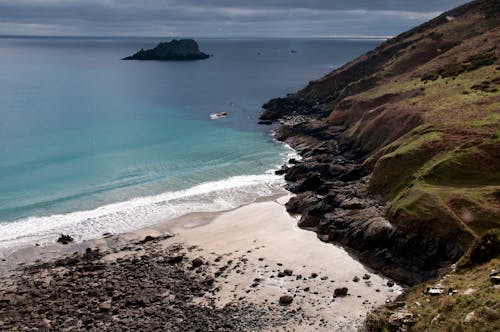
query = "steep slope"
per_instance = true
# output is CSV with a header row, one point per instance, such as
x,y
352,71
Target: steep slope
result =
x,y
402,145
465,299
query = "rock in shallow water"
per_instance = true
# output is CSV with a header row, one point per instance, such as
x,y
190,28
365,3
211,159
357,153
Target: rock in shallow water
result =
x,y
65,239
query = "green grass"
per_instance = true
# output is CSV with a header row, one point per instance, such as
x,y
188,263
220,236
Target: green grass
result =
x,y
467,289
445,105
444,175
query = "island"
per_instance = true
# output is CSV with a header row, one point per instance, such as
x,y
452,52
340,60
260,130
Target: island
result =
x,y
176,50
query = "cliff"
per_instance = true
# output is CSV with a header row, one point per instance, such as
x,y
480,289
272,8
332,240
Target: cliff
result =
x,y
183,49
402,145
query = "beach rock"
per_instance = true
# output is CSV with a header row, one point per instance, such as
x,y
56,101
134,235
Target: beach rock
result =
x,y
105,306
285,300
64,239
340,291
197,262
178,50
299,203
307,221
265,122
281,171
355,279
390,283
175,259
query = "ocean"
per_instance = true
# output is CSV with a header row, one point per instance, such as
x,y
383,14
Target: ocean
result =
x,y
91,144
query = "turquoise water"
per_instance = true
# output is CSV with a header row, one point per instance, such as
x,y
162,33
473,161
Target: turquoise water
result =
x,y
91,144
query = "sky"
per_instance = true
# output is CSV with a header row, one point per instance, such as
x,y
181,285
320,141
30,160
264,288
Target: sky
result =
x,y
217,18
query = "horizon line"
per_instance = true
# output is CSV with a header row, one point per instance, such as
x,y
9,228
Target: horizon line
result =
x,y
367,37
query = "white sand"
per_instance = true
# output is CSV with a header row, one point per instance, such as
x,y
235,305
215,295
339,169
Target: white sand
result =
x,y
257,238
266,230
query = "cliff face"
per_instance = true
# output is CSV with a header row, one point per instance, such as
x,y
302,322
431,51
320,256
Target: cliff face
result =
x,y
402,145
183,49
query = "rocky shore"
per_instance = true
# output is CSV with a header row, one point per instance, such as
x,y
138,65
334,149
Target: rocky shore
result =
x,y
143,287
249,269
332,199
399,146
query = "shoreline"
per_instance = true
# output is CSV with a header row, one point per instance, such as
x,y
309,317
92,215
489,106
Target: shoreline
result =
x,y
264,255
139,212
30,254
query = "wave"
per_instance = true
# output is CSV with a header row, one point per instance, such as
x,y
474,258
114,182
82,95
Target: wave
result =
x,y
138,212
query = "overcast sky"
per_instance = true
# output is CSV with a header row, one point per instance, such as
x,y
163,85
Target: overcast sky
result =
x,y
217,18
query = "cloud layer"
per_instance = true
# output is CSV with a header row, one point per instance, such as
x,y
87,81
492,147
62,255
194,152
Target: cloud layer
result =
x,y
216,18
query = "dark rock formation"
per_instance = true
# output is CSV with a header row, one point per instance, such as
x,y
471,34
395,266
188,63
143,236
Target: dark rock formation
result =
x,y
64,239
286,300
178,50
370,131
342,291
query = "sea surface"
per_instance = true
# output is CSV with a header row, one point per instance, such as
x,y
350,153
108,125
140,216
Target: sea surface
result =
x,y
91,144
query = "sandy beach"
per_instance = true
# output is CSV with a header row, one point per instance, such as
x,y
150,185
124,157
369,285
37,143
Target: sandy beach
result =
x,y
257,255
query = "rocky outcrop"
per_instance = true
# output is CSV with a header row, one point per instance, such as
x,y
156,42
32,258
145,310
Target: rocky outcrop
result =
x,y
400,144
178,50
332,199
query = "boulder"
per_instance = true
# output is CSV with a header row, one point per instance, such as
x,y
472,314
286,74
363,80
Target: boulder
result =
x,y
286,300
281,171
64,239
197,262
309,221
342,291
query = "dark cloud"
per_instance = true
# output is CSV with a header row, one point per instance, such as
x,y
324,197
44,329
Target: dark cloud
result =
x,y
216,17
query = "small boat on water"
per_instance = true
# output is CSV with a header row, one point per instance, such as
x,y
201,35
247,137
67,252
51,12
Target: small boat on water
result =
x,y
218,115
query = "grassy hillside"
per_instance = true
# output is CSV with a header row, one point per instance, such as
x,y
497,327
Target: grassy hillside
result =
x,y
467,298
420,115
425,115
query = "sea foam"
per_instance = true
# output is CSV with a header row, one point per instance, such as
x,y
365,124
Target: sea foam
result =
x,y
138,212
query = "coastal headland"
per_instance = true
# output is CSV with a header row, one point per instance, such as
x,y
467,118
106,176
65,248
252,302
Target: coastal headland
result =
x,y
399,180
401,158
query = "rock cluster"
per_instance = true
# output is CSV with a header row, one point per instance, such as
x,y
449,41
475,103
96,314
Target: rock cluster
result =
x,y
150,289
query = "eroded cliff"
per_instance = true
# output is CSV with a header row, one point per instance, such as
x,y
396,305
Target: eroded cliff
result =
x,y
401,146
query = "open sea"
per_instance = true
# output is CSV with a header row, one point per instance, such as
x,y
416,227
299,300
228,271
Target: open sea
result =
x,y
91,144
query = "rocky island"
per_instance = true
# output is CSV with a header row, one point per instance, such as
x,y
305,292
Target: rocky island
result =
x,y
176,50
